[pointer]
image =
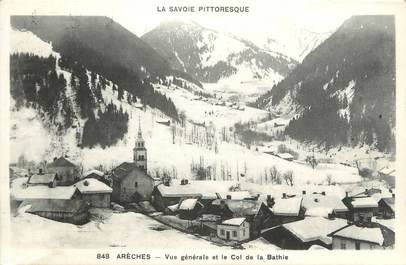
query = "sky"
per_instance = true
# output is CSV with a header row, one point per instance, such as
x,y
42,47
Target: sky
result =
x,y
140,16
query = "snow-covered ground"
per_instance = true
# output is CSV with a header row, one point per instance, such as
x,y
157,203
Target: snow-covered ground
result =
x,y
108,230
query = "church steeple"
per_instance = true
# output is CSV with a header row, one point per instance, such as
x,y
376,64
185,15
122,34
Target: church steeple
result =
x,y
139,151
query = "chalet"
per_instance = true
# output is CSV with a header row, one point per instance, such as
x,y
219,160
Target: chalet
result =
x,y
304,233
130,180
255,212
190,208
285,211
131,183
68,173
320,204
68,211
94,192
363,235
236,229
386,207
96,174
361,207
167,194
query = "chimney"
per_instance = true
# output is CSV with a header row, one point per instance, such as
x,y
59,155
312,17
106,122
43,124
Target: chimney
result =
x,y
323,193
390,190
331,216
303,192
366,191
228,197
316,199
182,182
393,195
346,194
40,171
284,195
186,181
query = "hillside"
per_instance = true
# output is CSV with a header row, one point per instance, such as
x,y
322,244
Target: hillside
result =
x,y
344,91
210,56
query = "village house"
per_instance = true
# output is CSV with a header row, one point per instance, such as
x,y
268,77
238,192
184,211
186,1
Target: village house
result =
x,y
255,212
236,229
284,210
386,207
190,208
68,211
320,204
303,234
361,207
68,173
131,183
169,194
363,235
96,174
94,192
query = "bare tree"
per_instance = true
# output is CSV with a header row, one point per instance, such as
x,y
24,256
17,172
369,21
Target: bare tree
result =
x,y
329,179
275,175
288,177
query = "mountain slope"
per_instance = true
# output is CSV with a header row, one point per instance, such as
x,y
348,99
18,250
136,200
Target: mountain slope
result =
x,y
344,91
101,45
210,56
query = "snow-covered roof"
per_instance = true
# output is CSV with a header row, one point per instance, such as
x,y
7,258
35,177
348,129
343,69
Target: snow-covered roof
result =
x,y
236,195
66,206
287,207
364,202
332,203
234,221
197,188
317,247
188,204
92,186
93,171
42,178
315,228
389,223
370,234
44,192
285,155
174,207
241,208
387,171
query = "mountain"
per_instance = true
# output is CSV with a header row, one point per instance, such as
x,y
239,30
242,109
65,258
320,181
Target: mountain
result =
x,y
210,56
101,45
344,91
294,42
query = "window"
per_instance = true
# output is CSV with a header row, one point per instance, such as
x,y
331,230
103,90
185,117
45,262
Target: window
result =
x,y
357,245
222,232
243,232
141,157
234,233
342,244
136,184
371,246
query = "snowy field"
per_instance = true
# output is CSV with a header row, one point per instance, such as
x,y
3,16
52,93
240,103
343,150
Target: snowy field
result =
x,y
109,230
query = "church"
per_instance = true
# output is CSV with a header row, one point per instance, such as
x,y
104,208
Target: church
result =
x,y
130,180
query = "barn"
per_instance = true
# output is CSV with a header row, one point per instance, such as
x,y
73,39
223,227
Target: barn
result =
x,y
68,211
95,193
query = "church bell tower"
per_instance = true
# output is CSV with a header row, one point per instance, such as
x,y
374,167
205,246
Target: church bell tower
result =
x,y
139,151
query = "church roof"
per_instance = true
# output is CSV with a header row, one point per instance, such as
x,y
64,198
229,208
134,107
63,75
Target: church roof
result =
x,y
125,168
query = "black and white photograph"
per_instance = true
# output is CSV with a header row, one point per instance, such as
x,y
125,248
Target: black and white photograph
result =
x,y
193,125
